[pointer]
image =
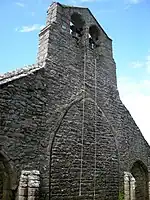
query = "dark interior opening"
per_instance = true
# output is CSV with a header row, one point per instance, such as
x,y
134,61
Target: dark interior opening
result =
x,y
140,173
94,34
76,26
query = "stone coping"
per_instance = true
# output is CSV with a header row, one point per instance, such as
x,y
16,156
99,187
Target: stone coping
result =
x,y
19,73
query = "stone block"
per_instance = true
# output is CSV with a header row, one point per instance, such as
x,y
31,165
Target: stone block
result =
x,y
33,184
33,192
32,198
22,191
33,177
22,198
23,184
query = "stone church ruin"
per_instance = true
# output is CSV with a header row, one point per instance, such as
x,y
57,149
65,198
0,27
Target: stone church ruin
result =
x,y
64,132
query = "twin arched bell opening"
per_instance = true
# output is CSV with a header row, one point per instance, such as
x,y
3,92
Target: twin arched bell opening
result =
x,y
76,30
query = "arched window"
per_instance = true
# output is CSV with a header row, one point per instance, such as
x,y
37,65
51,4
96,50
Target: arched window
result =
x,y
94,34
140,173
76,26
136,182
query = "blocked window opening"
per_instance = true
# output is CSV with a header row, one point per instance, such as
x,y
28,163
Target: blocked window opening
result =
x,y
76,26
94,34
29,185
129,186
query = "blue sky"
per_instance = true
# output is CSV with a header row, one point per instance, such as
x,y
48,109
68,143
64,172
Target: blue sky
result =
x,y
127,22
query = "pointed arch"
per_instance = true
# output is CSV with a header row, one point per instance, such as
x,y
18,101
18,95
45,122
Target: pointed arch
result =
x,y
140,173
8,179
66,147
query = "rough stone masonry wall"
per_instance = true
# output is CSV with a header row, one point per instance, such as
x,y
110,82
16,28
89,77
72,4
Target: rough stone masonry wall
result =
x,y
23,105
42,118
67,85
85,169
131,144
130,141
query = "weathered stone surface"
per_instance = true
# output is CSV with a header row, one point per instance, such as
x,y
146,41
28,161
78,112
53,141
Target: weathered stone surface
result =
x,y
22,191
64,118
29,185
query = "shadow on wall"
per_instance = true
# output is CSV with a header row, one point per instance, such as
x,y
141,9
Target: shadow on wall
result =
x,y
8,188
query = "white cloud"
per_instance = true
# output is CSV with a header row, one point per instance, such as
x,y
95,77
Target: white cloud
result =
x,y
88,0
145,63
129,3
34,27
125,1
79,2
136,64
136,97
133,1
20,4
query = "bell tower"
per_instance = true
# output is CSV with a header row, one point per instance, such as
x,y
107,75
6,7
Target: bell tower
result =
x,y
81,73
72,31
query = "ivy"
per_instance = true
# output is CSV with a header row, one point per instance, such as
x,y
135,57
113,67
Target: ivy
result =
x,y
121,196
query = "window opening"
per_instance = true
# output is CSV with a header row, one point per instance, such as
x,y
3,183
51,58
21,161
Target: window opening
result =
x,y
76,26
94,34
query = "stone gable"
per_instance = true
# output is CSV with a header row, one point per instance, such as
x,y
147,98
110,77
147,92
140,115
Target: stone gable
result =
x,y
62,119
